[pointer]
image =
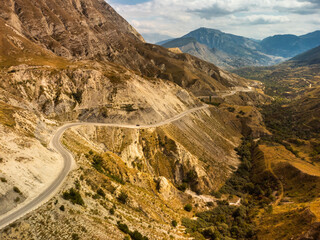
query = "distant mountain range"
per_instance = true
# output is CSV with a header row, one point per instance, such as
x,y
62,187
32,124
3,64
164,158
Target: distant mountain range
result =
x,y
231,51
307,58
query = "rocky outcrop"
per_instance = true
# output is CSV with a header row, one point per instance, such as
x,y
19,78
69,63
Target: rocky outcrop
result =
x,y
92,30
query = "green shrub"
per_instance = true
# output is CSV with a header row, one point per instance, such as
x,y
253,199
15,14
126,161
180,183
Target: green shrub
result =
x,y
73,196
75,236
123,227
135,235
216,194
231,109
101,193
77,96
183,187
17,190
112,211
174,223
62,208
123,197
3,180
97,163
188,207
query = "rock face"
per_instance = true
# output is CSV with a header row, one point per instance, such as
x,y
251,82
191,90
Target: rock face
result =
x,y
79,60
52,23
92,30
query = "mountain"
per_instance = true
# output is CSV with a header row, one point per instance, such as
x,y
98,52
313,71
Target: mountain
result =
x,y
229,43
290,45
104,136
202,51
240,51
233,51
154,131
308,58
103,34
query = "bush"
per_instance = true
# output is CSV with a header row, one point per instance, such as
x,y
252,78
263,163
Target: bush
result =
x,y
3,180
182,187
62,208
135,235
112,211
17,190
188,207
123,197
101,193
123,228
75,236
231,109
174,223
73,196
216,194
97,163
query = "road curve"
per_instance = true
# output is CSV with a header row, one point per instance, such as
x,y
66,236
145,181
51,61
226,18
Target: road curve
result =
x,y
68,160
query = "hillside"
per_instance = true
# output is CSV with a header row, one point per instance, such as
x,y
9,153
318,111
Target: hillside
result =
x,y
291,152
308,58
225,50
161,144
234,51
202,51
289,79
290,45
104,35
79,61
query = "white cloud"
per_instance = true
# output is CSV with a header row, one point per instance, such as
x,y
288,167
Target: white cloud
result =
x,y
178,17
265,19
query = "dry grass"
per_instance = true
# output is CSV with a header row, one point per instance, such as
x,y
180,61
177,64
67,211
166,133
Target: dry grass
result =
x,y
6,114
277,154
301,204
285,222
16,49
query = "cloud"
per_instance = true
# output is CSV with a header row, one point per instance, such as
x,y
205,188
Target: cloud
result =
x,y
265,19
301,7
217,11
178,17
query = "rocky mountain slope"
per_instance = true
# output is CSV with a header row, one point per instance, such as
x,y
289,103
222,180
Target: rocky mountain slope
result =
x,y
75,60
225,50
202,51
100,33
236,51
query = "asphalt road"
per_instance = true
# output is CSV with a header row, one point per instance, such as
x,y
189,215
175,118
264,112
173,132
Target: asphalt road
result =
x,y
68,160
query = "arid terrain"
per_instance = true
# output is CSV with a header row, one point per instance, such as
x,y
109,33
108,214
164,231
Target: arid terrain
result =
x,y
158,144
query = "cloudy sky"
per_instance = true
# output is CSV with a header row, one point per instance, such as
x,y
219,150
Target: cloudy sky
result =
x,y
250,18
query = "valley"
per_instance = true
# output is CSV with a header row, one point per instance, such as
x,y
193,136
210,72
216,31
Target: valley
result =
x,y
105,136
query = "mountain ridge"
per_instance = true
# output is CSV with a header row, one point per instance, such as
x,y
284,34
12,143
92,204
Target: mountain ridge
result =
x,y
240,51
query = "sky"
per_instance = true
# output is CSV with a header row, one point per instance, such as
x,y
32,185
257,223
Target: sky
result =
x,y
249,18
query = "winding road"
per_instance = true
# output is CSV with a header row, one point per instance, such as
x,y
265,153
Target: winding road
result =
x,y
68,161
